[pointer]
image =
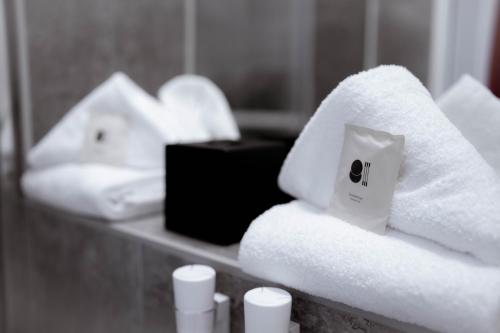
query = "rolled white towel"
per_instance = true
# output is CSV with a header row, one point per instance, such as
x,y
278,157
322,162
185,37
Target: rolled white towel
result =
x,y
149,127
397,275
201,108
94,190
447,192
475,111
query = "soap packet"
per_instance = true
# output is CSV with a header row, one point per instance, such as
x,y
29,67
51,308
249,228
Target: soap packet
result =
x,y
368,171
106,138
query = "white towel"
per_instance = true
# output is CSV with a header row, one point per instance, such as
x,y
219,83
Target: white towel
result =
x,y
447,192
150,127
95,190
398,276
475,111
105,158
201,107
120,177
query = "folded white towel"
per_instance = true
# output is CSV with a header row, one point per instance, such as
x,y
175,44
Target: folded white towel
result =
x,y
201,108
447,192
95,190
397,275
105,158
475,111
149,127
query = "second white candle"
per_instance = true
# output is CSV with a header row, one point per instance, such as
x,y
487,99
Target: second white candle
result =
x,y
267,310
194,288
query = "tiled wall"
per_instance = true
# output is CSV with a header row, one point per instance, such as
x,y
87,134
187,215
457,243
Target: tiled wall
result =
x,y
74,45
265,54
5,143
340,31
246,47
404,34
64,277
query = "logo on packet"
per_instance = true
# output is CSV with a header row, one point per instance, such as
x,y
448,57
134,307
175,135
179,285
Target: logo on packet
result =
x,y
359,172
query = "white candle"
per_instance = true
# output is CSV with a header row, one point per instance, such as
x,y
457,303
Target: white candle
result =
x,y
267,310
194,289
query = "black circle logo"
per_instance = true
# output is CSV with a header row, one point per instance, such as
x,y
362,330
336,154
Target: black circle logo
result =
x,y
356,169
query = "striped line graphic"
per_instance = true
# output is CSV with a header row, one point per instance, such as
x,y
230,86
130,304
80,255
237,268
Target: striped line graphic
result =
x,y
366,173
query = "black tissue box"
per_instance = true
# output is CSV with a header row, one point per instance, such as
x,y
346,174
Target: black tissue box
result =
x,y
216,189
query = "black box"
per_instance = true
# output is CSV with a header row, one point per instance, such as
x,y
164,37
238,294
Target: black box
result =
x,y
216,189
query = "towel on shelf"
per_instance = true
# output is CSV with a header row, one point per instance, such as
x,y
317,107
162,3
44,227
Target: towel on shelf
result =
x,y
447,192
475,111
201,108
105,158
397,275
149,127
96,190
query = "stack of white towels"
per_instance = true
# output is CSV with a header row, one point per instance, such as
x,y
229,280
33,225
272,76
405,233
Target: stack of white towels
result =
x,y
438,264
105,158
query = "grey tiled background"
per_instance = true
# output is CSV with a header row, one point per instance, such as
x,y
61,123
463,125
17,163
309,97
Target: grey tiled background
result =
x,y
340,32
274,55
404,34
82,279
74,45
246,48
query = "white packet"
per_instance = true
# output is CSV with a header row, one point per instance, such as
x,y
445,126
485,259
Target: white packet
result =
x,y
106,138
366,178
